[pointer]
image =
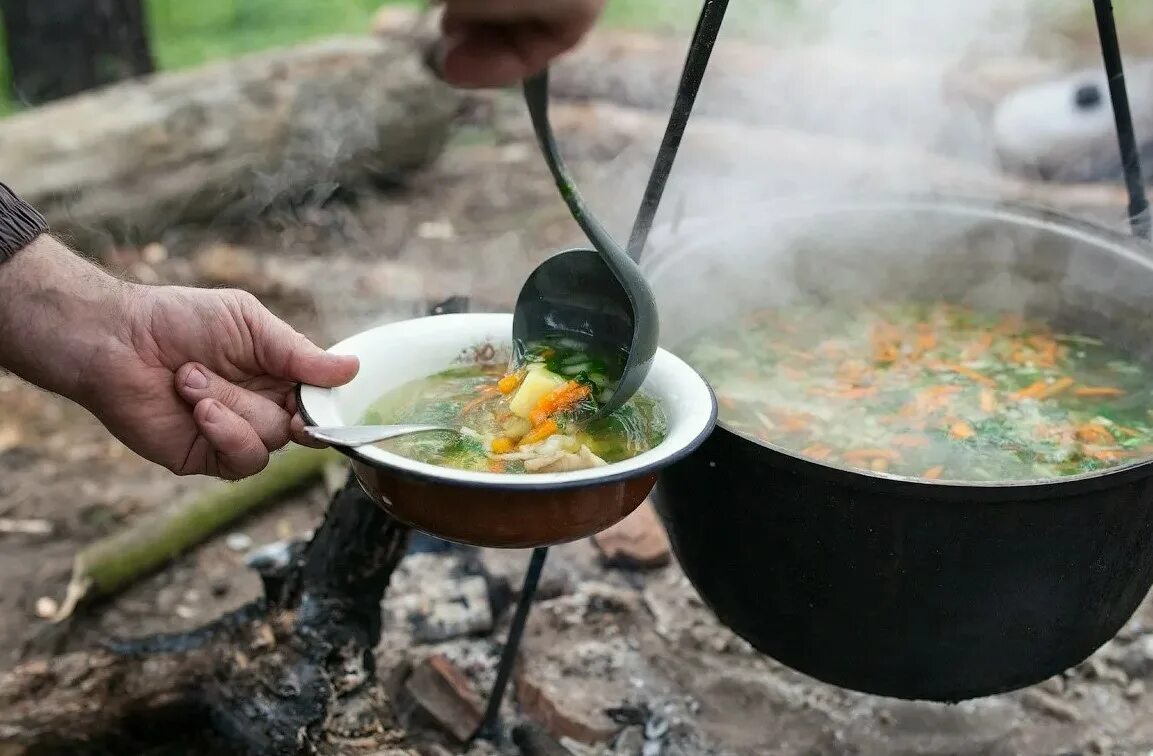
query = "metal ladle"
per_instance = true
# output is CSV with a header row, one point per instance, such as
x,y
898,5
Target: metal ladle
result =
x,y
598,296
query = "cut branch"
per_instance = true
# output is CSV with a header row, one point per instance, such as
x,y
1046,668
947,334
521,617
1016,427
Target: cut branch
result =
x,y
110,564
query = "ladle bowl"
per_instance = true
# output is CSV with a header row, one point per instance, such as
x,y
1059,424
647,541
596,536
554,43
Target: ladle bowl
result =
x,y
900,587
491,509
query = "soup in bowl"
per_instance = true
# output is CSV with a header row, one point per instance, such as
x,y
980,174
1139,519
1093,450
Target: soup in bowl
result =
x,y
527,469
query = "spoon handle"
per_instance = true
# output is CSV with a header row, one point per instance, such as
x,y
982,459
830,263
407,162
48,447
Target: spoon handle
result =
x,y
536,98
360,435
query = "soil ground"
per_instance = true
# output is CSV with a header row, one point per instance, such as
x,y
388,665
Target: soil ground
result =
x,y
637,639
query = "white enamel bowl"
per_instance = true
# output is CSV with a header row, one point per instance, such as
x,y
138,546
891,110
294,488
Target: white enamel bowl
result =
x,y
490,509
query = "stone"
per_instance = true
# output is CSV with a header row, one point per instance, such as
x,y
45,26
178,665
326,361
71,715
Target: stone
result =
x,y
454,609
436,693
552,709
238,541
636,542
1050,705
1137,660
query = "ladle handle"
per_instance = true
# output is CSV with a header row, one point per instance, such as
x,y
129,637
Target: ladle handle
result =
x,y
614,255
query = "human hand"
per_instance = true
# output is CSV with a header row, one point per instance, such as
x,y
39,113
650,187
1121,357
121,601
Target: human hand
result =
x,y
495,43
203,380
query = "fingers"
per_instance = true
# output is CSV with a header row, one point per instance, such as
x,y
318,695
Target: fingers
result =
x,y
533,11
494,56
289,355
268,420
239,452
492,43
296,428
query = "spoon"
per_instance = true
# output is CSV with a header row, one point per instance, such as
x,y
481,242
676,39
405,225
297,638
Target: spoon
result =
x,y
597,296
359,435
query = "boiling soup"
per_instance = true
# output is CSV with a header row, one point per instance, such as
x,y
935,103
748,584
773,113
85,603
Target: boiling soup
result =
x,y
932,391
534,418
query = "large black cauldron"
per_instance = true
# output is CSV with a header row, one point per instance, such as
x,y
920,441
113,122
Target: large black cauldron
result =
x,y
892,586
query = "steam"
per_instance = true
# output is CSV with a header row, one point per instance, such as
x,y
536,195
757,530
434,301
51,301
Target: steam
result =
x,y
849,97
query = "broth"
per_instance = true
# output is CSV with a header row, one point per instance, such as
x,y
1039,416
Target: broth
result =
x,y
532,418
935,391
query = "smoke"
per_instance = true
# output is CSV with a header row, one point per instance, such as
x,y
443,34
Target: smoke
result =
x,y
859,97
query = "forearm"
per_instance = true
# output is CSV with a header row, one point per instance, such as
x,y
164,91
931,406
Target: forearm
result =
x,y
56,312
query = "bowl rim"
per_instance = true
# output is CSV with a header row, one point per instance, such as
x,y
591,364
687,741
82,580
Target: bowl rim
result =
x,y
646,463
1132,248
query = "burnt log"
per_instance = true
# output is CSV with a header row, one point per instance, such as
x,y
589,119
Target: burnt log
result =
x,y
291,673
58,48
229,140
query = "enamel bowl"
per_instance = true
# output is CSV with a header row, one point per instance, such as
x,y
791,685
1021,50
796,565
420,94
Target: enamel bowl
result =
x,y
491,509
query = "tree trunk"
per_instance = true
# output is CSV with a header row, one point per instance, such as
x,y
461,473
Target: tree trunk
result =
x,y
58,48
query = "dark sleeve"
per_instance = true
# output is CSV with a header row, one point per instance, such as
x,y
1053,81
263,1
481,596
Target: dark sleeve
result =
x,y
20,224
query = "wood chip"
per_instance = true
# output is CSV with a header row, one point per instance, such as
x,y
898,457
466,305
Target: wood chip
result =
x,y
25,527
637,542
1050,705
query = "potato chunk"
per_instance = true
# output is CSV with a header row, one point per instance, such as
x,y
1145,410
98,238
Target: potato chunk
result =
x,y
538,384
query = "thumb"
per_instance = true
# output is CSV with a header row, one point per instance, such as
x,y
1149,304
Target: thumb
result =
x,y
284,353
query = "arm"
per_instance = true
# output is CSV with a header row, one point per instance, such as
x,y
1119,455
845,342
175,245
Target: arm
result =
x,y
198,380
56,312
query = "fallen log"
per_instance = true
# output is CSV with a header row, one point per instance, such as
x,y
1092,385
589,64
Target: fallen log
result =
x,y
109,565
227,140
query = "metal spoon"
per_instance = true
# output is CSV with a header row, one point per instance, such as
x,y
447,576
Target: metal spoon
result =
x,y
359,435
599,297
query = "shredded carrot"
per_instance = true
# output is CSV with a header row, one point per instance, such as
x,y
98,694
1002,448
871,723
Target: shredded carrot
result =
x,y
486,393
972,375
509,383
1106,455
979,347
1032,391
795,423
1097,391
558,400
502,445
867,454
862,392
961,430
988,401
879,465
540,432
910,441
1055,388
933,473
792,373
817,451
1094,433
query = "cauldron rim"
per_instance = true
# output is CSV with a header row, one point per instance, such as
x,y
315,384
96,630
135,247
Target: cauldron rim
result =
x,y
1134,249
961,491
